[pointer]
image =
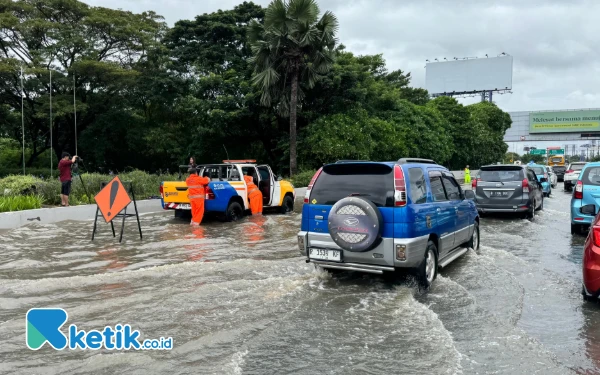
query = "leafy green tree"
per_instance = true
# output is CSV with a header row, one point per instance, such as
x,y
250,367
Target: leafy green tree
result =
x,y
100,47
292,48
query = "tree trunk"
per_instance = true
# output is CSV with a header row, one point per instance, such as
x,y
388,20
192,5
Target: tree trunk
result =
x,y
293,107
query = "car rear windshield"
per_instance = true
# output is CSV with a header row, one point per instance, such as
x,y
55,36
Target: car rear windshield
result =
x,y
538,170
374,182
556,160
591,176
576,167
501,175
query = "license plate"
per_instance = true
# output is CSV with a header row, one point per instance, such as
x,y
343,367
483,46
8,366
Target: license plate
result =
x,y
324,254
499,194
184,207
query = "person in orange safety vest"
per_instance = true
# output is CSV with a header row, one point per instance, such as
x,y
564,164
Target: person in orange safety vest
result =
x,y
196,192
255,197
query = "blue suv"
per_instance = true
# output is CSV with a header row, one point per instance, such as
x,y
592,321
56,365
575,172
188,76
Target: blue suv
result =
x,y
379,217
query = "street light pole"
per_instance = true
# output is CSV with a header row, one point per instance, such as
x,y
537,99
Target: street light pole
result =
x,y
51,148
22,121
75,113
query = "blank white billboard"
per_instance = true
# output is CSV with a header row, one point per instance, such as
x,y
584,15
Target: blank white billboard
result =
x,y
464,76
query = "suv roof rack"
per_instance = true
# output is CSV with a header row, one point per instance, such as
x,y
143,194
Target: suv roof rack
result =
x,y
416,160
352,161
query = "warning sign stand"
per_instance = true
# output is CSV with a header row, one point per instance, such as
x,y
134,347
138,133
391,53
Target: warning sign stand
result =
x,y
112,202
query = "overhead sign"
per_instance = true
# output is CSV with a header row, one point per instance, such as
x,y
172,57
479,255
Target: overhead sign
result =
x,y
564,122
112,199
556,152
469,76
538,152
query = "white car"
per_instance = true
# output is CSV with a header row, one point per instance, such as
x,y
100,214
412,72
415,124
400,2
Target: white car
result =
x,y
572,174
552,178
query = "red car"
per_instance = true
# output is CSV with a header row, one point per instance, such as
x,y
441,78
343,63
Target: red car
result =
x,y
591,262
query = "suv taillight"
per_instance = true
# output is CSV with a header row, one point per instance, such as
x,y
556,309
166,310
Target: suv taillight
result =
x,y
569,171
474,183
525,186
161,191
312,182
209,194
578,193
399,187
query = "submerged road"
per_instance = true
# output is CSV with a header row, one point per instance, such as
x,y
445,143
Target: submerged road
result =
x,y
238,299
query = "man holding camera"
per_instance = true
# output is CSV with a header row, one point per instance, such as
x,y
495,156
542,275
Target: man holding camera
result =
x,y
64,168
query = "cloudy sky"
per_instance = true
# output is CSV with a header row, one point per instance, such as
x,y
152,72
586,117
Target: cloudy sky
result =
x,y
551,41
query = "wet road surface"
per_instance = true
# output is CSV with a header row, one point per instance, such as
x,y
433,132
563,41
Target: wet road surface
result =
x,y
238,299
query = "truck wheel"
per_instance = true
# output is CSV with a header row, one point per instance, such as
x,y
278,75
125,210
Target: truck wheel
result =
x,y
427,271
288,205
234,212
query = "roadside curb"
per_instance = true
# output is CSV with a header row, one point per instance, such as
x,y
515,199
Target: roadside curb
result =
x,y
11,220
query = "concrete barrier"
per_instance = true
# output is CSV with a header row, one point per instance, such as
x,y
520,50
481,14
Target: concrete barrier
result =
x,y
10,220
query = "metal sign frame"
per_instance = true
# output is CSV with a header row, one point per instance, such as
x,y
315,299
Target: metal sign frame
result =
x,y
123,214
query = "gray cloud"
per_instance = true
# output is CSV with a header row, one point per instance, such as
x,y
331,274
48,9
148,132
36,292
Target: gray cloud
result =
x,y
552,41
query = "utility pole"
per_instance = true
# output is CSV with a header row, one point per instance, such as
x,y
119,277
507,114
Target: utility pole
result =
x,y
22,121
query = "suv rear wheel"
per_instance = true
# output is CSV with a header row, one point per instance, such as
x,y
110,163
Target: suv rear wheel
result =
x,y
474,241
427,271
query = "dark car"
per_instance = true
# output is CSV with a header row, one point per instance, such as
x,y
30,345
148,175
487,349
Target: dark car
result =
x,y
378,217
559,170
508,189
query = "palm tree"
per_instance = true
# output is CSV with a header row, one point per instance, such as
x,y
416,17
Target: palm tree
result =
x,y
292,46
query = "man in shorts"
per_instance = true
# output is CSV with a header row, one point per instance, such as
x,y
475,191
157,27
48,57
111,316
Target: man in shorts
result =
x,y
64,168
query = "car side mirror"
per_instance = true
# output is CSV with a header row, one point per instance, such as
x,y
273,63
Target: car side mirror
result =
x,y
589,209
469,194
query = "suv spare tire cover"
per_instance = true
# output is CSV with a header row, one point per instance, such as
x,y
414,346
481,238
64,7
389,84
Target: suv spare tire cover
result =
x,y
355,224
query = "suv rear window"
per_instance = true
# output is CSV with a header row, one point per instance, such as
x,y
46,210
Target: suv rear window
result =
x,y
374,182
591,176
501,175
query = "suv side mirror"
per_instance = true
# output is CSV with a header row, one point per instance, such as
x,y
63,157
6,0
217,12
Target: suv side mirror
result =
x,y
589,209
469,194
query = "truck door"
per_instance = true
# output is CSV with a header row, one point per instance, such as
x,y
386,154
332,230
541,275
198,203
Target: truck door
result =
x,y
266,183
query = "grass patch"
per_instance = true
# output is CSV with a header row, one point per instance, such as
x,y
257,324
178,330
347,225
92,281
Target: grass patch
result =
x,y
20,202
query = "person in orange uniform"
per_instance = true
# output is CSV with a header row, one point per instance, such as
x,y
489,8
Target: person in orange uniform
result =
x,y
196,192
255,197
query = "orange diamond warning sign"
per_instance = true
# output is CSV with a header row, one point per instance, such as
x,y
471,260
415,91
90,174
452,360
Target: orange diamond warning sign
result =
x,y
112,199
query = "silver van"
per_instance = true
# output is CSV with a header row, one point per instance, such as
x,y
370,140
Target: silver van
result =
x,y
509,189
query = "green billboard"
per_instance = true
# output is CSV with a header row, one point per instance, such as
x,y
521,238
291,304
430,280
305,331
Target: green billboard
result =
x,y
564,122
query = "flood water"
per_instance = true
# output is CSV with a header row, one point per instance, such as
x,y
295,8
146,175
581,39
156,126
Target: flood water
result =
x,y
238,299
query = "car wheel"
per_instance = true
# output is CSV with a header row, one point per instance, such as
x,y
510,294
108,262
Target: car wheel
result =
x,y
427,271
288,205
474,241
234,212
531,214
541,208
576,228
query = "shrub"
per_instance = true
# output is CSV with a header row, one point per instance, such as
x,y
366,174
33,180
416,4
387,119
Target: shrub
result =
x,y
17,185
302,179
145,185
20,202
